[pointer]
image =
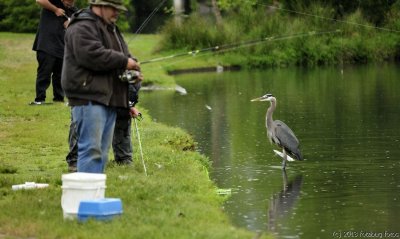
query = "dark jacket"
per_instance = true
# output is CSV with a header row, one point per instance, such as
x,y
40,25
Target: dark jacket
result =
x,y
95,55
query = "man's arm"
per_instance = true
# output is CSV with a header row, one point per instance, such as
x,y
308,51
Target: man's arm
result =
x,y
49,6
89,50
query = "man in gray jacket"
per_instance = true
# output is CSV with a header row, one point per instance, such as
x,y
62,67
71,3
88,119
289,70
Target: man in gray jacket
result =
x,y
95,56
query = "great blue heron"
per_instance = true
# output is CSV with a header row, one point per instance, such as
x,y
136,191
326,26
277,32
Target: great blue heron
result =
x,y
280,134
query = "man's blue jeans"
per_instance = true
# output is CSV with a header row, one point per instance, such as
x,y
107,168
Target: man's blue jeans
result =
x,y
95,128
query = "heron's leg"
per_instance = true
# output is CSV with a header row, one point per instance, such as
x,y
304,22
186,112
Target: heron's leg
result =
x,y
285,180
284,159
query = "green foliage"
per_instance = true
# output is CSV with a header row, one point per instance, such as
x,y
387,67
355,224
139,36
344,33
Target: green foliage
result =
x,y
374,11
354,38
227,5
81,3
19,16
196,32
24,15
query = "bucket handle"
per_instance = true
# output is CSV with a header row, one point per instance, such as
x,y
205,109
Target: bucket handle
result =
x,y
98,192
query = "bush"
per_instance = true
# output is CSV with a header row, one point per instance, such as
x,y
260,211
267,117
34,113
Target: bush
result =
x,y
356,40
194,33
19,16
24,15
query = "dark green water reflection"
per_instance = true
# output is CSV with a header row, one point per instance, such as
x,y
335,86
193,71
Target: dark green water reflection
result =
x,y
348,127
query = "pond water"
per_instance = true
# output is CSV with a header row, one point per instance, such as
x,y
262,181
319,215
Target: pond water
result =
x,y
347,122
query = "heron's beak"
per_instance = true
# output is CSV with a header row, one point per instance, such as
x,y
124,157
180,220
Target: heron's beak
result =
x,y
256,99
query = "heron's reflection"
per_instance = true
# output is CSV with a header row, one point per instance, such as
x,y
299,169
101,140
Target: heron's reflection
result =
x,y
281,203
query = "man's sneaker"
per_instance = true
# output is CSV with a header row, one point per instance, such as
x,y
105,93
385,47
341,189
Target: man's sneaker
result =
x,y
36,103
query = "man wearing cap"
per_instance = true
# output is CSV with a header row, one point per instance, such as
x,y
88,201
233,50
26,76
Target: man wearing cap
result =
x,y
95,56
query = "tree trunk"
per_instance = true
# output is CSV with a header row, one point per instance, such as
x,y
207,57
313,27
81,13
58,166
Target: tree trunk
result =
x,y
217,12
179,9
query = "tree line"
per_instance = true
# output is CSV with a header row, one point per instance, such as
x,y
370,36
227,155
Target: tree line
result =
x,y
23,15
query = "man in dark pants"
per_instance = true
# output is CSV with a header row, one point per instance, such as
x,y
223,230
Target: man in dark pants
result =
x,y
49,47
122,143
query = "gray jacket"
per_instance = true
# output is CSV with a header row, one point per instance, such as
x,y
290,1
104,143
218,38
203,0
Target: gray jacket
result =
x,y
95,55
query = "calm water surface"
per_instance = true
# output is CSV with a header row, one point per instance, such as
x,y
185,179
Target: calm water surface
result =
x,y
348,127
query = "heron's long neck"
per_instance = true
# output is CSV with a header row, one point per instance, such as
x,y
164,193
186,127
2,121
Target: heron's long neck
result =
x,y
270,111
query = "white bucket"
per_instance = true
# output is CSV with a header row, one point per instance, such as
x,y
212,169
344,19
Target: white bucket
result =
x,y
80,186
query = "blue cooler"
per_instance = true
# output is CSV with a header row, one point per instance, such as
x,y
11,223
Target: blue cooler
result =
x,y
99,209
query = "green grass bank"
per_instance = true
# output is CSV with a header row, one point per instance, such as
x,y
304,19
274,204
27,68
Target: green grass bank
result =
x,y
176,200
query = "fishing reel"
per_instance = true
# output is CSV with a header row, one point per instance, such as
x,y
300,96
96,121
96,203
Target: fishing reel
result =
x,y
129,76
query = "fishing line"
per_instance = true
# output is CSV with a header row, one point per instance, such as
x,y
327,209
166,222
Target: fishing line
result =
x,y
149,17
233,46
141,27
146,21
341,60
140,145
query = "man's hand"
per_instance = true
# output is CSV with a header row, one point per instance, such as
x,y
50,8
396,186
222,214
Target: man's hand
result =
x,y
134,112
49,6
59,12
132,65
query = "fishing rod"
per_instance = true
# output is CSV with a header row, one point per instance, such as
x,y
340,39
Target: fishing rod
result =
x,y
233,46
140,144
